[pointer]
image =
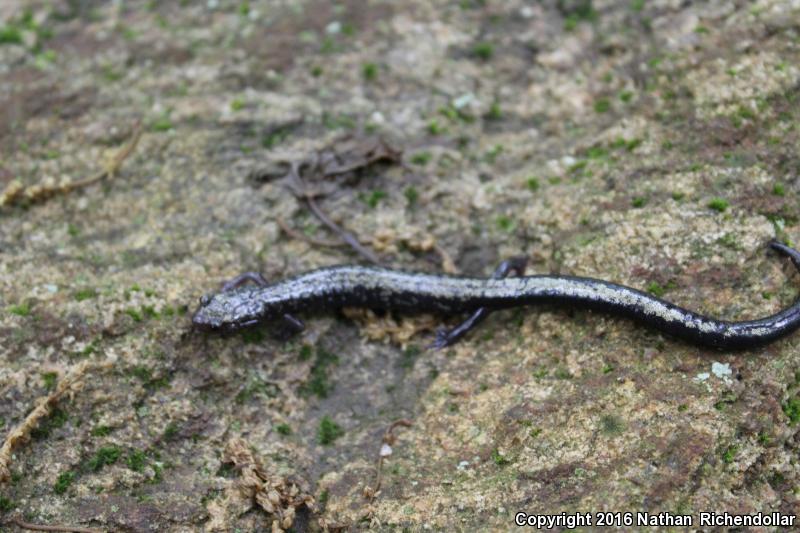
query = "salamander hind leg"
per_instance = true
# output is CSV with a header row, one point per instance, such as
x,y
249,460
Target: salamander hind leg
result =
x,y
793,254
448,337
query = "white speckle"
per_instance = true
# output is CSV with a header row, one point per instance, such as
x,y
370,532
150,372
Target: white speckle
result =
x,y
333,28
463,465
722,371
463,100
377,117
568,161
702,376
386,450
526,12
51,288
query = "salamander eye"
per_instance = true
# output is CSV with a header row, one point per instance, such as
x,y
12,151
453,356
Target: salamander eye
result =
x,y
205,300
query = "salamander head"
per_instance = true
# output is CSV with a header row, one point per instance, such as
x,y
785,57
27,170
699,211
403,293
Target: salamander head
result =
x,y
227,311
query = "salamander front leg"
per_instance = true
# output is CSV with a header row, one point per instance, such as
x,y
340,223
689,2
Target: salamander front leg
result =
x,y
241,279
291,324
448,337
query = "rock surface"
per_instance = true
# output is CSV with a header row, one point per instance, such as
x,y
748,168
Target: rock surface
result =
x,y
650,143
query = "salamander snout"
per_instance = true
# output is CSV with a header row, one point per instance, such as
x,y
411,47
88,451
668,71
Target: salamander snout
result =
x,y
208,315
227,311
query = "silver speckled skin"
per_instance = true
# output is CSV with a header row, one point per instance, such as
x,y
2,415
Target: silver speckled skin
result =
x,y
356,286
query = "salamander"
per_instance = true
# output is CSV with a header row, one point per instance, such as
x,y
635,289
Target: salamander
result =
x,y
331,288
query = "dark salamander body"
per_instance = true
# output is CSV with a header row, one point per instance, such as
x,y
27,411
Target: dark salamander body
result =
x,y
355,286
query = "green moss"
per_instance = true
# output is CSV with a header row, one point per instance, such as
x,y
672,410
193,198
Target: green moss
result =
x,y
625,96
792,409
306,351
778,189
597,152
275,137
495,112
283,429
162,124
63,482
10,35
369,71
23,309
237,104
730,453
135,314
421,158
411,194
678,196
577,11
107,455
728,398
49,380
56,419
608,368
255,387
632,144
562,373
84,294
656,289
373,198
718,204
335,122
136,460
612,425
602,105
101,431
328,431
483,51
251,336
499,459
729,240
575,168
505,223
149,311
491,155
434,128
171,431
142,372
410,356
639,201
533,184
318,384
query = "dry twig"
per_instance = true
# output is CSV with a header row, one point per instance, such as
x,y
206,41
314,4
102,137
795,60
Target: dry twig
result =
x,y
298,186
21,433
16,193
386,450
41,527
293,233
